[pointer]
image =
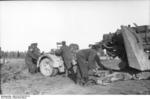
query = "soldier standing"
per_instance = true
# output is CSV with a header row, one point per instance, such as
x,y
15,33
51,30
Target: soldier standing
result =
x,y
87,59
32,57
0,55
66,54
0,69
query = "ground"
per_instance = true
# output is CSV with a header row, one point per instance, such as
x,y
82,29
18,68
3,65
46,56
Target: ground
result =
x,y
15,79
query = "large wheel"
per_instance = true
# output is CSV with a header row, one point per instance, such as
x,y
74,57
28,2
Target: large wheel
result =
x,y
46,67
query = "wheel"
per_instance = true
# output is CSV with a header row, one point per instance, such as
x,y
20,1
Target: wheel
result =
x,y
46,67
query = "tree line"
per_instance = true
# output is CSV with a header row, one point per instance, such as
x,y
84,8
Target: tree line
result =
x,y
12,54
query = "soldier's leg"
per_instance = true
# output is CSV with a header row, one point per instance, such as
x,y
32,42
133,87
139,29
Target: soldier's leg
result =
x,y
28,65
66,69
66,73
79,77
0,78
32,68
67,66
82,67
35,68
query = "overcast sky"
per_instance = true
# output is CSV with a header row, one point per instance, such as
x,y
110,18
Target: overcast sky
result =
x,y
81,22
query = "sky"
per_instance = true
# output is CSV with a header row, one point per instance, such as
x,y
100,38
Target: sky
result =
x,y
81,22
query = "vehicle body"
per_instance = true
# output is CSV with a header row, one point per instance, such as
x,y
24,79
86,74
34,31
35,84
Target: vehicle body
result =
x,y
131,45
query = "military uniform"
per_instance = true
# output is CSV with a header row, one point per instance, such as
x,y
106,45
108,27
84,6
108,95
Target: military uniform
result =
x,y
32,57
0,69
86,59
67,56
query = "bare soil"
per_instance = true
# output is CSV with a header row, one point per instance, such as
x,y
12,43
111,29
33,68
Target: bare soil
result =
x,y
15,79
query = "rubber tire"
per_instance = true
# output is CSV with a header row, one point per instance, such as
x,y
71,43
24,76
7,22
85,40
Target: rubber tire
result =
x,y
46,67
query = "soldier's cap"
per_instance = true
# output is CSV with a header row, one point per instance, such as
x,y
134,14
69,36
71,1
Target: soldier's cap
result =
x,y
33,44
63,42
96,46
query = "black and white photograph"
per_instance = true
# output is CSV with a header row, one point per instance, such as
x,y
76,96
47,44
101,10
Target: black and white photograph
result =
x,y
69,47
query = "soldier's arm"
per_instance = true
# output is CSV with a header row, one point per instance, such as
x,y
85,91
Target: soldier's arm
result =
x,y
37,53
99,62
31,54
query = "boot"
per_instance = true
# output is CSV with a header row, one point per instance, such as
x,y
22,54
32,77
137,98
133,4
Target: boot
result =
x,y
80,82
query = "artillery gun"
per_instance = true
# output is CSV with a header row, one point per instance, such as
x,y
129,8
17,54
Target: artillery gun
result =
x,y
50,65
131,45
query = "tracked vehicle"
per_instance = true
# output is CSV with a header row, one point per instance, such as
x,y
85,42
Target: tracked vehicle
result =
x,y
131,45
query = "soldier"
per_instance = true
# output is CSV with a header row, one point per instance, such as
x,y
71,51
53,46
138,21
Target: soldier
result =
x,y
0,52
66,54
87,59
0,69
32,57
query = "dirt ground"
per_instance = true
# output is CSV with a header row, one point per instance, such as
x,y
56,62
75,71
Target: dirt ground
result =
x,y
15,79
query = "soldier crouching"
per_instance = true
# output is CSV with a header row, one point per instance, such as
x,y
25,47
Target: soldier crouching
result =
x,y
86,60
